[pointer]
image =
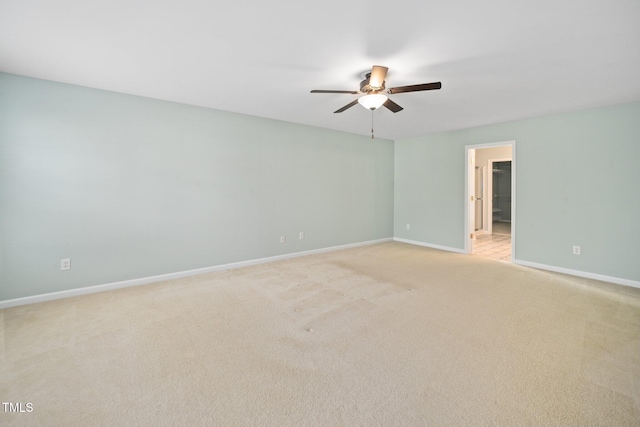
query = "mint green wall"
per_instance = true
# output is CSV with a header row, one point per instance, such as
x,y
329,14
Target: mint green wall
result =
x,y
130,187
578,183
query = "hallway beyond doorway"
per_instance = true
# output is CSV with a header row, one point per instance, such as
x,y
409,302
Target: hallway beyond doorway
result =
x,y
496,246
490,177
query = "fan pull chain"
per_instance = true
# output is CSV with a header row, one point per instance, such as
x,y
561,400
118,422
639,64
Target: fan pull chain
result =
x,y
372,123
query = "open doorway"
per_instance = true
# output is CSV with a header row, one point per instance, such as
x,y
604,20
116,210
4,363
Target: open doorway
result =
x,y
490,200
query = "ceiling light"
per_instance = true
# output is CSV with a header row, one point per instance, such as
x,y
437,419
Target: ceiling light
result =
x,y
372,101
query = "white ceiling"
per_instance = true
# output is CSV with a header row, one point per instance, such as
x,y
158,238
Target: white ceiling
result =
x,y
498,60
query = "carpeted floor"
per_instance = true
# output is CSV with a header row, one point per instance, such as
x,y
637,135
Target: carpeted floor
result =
x,y
382,335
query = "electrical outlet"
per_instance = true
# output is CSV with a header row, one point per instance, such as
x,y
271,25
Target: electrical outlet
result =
x,y
65,264
576,250
282,239
408,226
301,235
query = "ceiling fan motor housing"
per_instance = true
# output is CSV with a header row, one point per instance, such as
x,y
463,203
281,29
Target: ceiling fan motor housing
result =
x,y
365,87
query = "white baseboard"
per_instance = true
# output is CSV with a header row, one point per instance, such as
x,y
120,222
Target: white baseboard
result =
x,y
602,277
430,245
169,276
578,273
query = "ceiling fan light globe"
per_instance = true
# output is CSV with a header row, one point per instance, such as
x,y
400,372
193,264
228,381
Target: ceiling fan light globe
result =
x,y
373,101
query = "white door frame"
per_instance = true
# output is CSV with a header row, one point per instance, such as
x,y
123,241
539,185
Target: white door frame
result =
x,y
483,229
469,192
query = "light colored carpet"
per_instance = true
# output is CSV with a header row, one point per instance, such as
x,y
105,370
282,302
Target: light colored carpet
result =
x,y
389,334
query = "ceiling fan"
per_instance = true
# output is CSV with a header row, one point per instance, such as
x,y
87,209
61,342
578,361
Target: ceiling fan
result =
x,y
374,91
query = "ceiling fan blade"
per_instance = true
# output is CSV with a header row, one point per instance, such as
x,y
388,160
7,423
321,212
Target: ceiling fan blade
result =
x,y
392,106
352,92
378,74
416,88
349,105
